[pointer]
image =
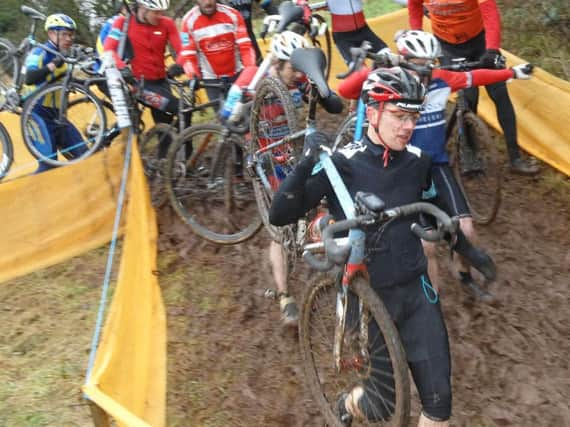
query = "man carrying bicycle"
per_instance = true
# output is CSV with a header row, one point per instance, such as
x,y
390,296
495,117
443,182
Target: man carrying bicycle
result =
x,y
147,32
385,165
216,44
43,67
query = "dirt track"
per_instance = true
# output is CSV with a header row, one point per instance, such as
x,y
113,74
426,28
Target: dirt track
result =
x,y
231,364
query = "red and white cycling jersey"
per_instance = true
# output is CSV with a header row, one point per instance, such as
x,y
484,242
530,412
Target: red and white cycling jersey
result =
x,y
347,15
218,45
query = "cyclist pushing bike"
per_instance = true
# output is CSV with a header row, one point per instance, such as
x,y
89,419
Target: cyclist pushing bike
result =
x,y
147,32
385,165
44,65
422,48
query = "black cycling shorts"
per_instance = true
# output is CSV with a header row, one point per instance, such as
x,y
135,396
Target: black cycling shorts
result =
x,y
419,320
345,40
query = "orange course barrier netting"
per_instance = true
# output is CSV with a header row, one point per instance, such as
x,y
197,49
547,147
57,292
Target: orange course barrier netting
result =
x,y
129,376
59,214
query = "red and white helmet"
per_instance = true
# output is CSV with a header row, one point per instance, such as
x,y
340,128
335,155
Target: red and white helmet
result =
x,y
283,44
154,4
403,88
418,44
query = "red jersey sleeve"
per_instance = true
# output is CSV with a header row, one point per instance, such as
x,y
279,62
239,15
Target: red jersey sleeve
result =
x,y
189,53
491,22
351,87
113,40
244,43
457,80
415,14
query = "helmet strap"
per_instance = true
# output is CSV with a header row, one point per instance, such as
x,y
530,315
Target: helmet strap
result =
x,y
376,127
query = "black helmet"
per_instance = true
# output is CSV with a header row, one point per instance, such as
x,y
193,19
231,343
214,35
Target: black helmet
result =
x,y
403,88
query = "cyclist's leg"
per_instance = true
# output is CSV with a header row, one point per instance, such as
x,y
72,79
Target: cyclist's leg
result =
x,y
278,262
69,140
506,116
42,131
164,106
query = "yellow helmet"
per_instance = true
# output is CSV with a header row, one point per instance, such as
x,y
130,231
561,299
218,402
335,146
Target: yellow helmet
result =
x,y
59,21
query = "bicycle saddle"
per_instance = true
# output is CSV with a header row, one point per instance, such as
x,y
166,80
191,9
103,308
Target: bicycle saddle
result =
x,y
312,62
289,12
32,13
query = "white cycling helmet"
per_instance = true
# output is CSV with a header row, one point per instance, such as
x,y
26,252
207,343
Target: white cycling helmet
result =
x,y
418,44
154,4
283,44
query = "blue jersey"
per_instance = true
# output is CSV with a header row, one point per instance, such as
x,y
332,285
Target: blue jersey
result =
x,y
429,134
38,58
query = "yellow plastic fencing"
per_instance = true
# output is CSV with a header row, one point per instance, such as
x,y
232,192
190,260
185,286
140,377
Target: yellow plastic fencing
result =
x,y
128,380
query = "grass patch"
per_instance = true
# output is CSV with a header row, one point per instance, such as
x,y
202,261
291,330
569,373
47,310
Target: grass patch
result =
x,y
47,320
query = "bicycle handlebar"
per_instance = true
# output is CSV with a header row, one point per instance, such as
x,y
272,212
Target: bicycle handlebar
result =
x,y
335,254
383,59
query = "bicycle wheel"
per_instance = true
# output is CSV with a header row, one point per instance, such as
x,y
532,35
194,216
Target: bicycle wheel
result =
x,y
77,135
380,354
160,135
475,162
6,151
206,186
324,42
9,68
345,132
91,122
273,117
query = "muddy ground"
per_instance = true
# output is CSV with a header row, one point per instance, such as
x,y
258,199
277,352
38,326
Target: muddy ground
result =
x,y
232,364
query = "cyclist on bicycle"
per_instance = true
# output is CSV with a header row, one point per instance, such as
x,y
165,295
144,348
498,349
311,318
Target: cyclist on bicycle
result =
x,y
216,44
43,67
471,29
244,7
384,164
148,31
423,48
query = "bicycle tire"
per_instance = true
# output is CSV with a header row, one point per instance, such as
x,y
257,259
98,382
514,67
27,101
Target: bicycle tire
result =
x,y
153,163
92,109
481,187
202,188
9,69
90,122
345,132
328,45
317,323
7,151
271,94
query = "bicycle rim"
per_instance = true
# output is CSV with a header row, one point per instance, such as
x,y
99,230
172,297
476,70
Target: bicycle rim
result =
x,y
390,383
9,68
6,151
85,120
273,117
206,186
345,132
481,186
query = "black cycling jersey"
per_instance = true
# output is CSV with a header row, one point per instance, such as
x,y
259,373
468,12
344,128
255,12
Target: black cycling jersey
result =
x,y
396,256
